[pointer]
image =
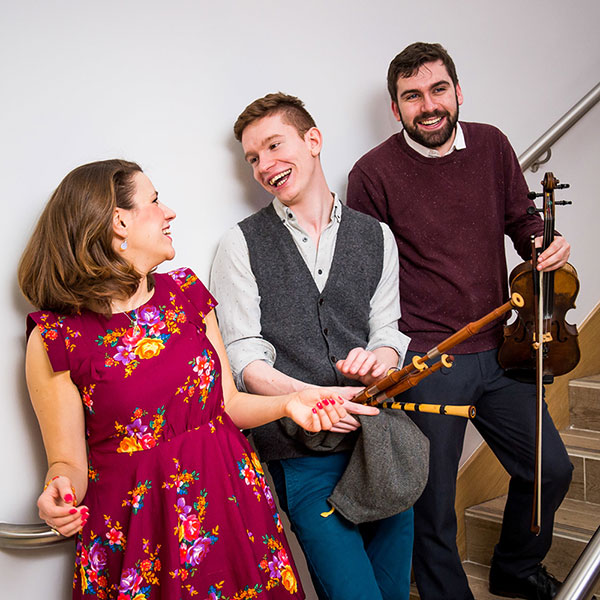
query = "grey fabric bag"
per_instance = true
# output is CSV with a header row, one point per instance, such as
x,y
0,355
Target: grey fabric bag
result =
x,y
388,469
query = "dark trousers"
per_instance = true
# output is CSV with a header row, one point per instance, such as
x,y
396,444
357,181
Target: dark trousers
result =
x,y
506,420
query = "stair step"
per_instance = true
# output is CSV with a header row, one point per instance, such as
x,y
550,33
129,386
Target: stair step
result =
x,y
478,582
584,402
578,516
575,523
583,447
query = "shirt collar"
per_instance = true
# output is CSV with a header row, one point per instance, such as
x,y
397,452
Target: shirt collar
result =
x,y
286,214
459,144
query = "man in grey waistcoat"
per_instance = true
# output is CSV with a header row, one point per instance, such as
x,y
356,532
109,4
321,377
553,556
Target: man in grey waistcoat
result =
x,y
308,295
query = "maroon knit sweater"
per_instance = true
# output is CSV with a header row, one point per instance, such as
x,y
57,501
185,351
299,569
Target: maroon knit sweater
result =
x,y
449,216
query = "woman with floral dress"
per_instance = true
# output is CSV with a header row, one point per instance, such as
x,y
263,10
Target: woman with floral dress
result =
x,y
139,414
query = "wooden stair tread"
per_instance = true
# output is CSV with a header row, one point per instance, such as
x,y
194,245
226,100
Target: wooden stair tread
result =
x,y
478,576
589,381
574,519
582,442
478,582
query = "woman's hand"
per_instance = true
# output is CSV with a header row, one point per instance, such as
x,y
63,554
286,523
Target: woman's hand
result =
x,y
349,423
315,409
57,506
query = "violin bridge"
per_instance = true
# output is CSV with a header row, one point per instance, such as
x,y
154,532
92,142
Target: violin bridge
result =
x,y
546,337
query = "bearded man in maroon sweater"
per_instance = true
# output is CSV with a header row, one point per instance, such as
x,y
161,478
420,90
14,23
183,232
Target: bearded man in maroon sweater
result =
x,y
450,192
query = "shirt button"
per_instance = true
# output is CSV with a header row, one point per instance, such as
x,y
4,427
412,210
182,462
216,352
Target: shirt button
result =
x,y
325,331
333,359
305,239
321,300
320,271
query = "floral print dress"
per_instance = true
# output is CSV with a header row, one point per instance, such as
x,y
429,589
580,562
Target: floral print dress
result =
x,y
179,506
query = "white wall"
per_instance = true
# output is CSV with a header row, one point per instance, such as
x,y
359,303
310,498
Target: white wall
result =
x,y
162,83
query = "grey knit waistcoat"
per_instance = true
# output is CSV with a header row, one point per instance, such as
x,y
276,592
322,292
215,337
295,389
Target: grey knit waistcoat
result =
x,y
310,330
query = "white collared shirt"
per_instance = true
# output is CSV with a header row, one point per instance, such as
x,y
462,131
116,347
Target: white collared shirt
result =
x,y
233,284
459,144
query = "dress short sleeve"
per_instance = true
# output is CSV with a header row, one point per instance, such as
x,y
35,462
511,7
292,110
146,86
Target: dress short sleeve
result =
x,y
194,290
56,335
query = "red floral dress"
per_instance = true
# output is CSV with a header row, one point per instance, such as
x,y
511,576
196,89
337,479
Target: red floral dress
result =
x,y
179,506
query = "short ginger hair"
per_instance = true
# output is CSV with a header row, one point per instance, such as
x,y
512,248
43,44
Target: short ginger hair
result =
x,y
289,107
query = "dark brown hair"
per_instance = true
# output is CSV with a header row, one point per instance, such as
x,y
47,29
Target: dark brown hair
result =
x,y
410,60
291,108
69,262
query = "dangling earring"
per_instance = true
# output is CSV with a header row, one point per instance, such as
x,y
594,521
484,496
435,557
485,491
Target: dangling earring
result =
x,y
124,244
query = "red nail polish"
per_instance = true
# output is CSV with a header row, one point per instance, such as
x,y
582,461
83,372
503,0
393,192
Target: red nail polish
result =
x,y
319,405
68,498
332,401
72,511
325,402
314,410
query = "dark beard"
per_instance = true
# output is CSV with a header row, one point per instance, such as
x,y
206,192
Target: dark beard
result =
x,y
432,139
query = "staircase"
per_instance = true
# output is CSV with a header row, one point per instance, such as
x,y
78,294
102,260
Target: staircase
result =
x,y
579,515
577,518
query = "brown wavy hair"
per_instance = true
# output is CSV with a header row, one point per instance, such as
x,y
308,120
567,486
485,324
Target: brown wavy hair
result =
x,y
69,262
290,107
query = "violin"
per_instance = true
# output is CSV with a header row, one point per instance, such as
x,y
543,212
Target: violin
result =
x,y
540,344
558,289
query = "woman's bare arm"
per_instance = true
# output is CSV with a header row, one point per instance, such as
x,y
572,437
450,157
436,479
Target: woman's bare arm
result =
x,y
59,411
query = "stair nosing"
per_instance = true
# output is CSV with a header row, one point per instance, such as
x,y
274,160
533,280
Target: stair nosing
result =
x,y
494,515
582,442
584,384
582,452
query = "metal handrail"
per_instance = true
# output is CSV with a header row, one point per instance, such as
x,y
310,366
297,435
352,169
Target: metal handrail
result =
x,y
530,158
585,574
15,536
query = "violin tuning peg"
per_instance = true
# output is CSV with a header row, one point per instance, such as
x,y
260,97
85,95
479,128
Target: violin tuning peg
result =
x,y
531,210
533,195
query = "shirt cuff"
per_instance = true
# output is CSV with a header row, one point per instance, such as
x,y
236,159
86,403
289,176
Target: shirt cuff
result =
x,y
392,338
242,352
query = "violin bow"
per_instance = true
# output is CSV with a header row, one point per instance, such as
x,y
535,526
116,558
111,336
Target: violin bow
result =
x,y
543,284
536,513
